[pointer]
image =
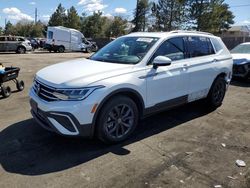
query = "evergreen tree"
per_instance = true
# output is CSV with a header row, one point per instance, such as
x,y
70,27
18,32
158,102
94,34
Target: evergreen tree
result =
x,y
117,27
220,18
9,29
210,15
170,14
141,15
73,19
58,18
92,25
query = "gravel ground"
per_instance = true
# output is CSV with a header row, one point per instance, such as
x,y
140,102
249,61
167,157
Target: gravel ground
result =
x,y
177,148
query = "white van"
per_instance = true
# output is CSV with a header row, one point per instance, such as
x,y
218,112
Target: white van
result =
x,y
60,39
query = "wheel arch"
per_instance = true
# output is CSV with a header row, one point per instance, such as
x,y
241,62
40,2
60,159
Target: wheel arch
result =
x,y
128,92
21,46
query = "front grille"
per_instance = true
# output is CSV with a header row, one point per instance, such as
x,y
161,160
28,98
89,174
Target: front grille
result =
x,y
44,92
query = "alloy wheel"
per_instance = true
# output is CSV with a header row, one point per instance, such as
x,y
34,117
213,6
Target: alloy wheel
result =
x,y
120,120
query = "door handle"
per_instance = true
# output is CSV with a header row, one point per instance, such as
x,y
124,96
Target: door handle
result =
x,y
185,65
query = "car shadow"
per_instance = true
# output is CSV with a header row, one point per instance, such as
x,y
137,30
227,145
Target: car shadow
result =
x,y
30,150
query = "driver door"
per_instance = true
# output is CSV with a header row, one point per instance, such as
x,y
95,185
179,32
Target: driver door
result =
x,y
168,85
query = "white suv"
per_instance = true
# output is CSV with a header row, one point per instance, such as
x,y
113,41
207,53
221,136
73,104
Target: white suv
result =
x,y
133,76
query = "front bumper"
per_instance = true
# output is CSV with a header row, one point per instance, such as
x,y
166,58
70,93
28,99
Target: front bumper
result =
x,y
242,71
62,123
65,118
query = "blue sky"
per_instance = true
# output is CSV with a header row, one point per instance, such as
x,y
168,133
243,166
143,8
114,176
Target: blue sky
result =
x,y
15,10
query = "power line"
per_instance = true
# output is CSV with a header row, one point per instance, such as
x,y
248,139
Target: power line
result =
x,y
236,6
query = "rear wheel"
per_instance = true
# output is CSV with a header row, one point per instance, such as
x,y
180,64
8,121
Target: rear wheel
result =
x,y
6,91
61,49
20,85
216,93
21,50
117,120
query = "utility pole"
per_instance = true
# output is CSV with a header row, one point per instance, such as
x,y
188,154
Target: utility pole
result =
x,y
136,15
5,23
35,15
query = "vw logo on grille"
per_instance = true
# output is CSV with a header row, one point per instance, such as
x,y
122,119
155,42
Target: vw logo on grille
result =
x,y
38,89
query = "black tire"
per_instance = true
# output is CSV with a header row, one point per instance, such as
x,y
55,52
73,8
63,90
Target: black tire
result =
x,y
216,94
61,49
117,120
20,85
6,91
89,50
94,48
21,50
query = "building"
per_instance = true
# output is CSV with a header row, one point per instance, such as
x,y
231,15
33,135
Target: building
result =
x,y
237,31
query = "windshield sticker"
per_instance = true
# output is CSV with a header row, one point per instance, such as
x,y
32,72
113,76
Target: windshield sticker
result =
x,y
148,40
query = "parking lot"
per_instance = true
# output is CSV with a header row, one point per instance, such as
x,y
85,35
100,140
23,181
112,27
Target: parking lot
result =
x,y
184,147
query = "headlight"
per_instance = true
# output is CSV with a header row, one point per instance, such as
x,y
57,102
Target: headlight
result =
x,y
75,94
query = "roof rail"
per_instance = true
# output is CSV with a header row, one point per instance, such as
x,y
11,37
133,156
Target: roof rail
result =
x,y
186,31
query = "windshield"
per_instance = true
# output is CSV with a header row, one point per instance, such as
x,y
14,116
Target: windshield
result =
x,y
241,49
125,50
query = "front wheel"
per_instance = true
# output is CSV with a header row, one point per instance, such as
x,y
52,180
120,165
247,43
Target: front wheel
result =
x,y
216,93
117,120
89,50
21,50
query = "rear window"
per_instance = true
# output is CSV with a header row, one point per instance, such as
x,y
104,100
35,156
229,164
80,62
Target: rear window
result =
x,y
50,35
20,39
199,46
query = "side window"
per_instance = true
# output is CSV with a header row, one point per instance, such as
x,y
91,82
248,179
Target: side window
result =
x,y
199,46
217,45
2,38
10,39
50,35
20,39
172,48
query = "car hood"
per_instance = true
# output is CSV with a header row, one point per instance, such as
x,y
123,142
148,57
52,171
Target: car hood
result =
x,y
241,58
80,73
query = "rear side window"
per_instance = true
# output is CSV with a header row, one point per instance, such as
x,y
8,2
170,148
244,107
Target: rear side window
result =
x,y
2,38
20,39
217,45
50,35
11,38
172,48
199,46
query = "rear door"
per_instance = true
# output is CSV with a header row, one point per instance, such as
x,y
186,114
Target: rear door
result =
x,y
201,69
12,44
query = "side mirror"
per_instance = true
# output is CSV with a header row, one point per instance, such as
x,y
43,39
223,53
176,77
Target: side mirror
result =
x,y
161,61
